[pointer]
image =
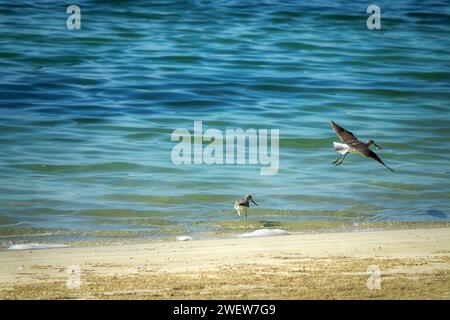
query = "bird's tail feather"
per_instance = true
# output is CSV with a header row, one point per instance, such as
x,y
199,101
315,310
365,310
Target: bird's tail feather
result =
x,y
341,148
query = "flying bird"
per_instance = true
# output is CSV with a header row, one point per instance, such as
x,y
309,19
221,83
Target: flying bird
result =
x,y
351,144
243,205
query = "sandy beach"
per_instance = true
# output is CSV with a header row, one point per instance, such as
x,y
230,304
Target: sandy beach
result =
x,y
412,263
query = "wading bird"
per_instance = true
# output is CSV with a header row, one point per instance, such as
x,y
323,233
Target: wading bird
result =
x,y
243,205
352,144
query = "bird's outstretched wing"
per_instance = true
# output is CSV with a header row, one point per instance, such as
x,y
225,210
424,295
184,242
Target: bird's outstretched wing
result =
x,y
346,136
370,154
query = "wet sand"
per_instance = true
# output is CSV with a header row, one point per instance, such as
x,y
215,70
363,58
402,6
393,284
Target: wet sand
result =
x,y
412,263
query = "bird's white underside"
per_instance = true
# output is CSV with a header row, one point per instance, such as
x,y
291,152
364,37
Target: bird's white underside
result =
x,y
240,209
341,148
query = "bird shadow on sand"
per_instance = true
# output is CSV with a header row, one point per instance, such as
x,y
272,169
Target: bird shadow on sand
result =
x,y
269,224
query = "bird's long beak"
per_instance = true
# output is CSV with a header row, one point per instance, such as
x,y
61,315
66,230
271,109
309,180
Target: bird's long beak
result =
x,y
378,146
254,202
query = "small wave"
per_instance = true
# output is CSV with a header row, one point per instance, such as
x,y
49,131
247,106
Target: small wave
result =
x,y
35,246
183,238
12,224
265,233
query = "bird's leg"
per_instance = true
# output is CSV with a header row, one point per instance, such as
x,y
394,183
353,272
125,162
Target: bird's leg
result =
x,y
342,159
245,213
340,155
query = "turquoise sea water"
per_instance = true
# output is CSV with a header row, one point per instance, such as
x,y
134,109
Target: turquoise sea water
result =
x,y
86,115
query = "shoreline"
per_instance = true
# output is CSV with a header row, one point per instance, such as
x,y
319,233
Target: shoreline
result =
x,y
307,227
413,263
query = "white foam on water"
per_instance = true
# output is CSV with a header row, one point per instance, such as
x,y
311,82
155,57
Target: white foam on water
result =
x,y
35,246
184,238
265,233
